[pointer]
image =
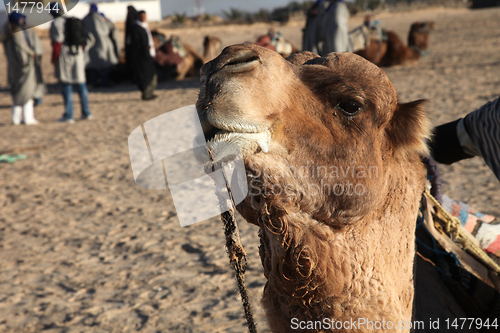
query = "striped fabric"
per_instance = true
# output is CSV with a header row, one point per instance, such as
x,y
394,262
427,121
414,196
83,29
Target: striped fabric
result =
x,y
483,126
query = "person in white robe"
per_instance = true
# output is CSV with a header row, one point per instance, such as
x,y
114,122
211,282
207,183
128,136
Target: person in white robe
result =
x,y
22,46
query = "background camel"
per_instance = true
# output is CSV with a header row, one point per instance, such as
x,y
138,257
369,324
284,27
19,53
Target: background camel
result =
x,y
211,48
274,40
392,51
178,60
337,241
174,59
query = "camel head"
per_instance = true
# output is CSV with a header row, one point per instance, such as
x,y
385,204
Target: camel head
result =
x,y
418,38
334,176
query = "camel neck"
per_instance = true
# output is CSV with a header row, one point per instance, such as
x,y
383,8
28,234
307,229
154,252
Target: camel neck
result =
x,y
419,51
363,273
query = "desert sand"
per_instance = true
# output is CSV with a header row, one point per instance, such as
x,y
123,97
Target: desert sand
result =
x,y
83,249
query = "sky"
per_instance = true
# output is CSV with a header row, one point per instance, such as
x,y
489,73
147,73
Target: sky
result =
x,y
170,7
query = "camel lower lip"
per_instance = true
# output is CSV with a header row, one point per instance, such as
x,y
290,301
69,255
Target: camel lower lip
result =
x,y
263,139
225,127
227,143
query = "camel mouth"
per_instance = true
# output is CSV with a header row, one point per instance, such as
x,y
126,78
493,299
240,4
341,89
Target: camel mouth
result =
x,y
249,138
246,141
223,127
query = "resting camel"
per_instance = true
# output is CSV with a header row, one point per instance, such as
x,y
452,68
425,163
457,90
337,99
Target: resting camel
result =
x,y
211,48
174,59
393,51
275,41
192,62
335,179
178,60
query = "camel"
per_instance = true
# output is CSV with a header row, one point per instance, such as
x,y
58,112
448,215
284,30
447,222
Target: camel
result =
x,y
335,179
180,60
211,48
174,59
275,41
392,51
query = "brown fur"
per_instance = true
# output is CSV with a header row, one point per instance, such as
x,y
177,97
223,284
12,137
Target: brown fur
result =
x,y
394,51
326,254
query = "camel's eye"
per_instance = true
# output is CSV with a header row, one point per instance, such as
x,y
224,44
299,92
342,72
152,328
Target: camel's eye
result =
x,y
350,108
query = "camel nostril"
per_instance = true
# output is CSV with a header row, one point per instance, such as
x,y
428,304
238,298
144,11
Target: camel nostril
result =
x,y
242,61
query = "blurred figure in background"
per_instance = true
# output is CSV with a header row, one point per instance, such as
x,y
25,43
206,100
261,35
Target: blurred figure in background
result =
x,y
310,30
102,55
132,16
113,36
141,57
22,47
336,31
68,38
40,85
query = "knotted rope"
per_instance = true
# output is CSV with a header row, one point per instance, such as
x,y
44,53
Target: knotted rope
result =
x,y
238,260
236,253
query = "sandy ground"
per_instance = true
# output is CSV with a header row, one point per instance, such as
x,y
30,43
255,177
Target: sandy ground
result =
x,y
83,249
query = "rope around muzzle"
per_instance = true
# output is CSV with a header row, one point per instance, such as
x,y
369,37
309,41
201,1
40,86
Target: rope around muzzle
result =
x,y
236,252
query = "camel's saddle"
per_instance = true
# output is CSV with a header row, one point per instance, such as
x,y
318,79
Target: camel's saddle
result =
x,y
363,35
471,274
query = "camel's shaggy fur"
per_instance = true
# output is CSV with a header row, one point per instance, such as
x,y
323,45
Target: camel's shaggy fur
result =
x,y
336,197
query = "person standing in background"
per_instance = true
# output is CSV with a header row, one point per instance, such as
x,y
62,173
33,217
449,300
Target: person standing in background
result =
x,y
21,49
113,36
69,62
40,87
132,16
336,30
142,52
102,55
310,30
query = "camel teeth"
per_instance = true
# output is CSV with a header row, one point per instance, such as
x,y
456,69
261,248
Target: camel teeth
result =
x,y
264,143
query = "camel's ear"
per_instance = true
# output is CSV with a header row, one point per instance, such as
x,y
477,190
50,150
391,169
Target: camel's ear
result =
x,y
409,128
302,57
